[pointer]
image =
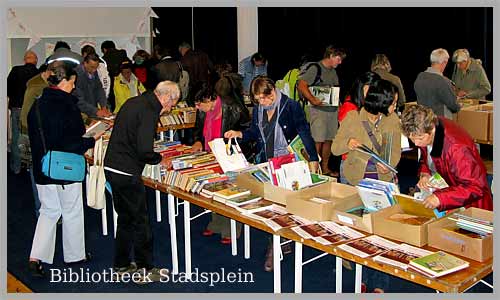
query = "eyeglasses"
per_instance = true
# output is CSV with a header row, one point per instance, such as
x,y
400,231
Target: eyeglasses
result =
x,y
262,97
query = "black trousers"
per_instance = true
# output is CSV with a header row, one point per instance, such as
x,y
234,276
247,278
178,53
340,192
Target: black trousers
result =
x,y
133,230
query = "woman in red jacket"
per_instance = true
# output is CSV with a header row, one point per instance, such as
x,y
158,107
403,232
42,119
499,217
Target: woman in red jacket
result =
x,y
447,149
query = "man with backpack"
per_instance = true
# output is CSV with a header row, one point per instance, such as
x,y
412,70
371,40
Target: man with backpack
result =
x,y
323,119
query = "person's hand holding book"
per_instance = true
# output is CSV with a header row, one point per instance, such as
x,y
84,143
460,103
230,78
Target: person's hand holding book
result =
x,y
382,169
197,146
431,201
424,182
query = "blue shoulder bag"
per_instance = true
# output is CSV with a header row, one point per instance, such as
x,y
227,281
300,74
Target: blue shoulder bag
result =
x,y
60,165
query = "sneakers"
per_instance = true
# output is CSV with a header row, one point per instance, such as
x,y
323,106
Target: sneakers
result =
x,y
148,276
36,269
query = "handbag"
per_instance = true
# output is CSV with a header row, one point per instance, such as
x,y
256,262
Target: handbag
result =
x,y
60,165
229,156
96,183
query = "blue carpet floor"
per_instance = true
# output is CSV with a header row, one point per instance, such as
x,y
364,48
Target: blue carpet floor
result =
x,y
208,255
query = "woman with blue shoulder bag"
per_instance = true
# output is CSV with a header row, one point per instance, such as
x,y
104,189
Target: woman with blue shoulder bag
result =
x,y
55,129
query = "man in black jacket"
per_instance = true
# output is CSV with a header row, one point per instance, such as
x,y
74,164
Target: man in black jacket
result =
x,y
16,86
130,148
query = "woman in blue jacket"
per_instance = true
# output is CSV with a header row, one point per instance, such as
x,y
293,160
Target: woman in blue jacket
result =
x,y
276,121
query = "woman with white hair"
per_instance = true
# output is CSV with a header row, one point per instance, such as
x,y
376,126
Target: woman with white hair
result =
x,y
469,76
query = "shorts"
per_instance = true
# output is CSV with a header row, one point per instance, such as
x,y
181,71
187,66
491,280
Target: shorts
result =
x,y
324,124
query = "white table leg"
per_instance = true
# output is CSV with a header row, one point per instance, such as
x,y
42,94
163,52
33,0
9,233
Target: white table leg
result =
x,y
115,220
104,220
171,135
298,267
359,276
338,275
158,206
246,233
277,263
234,246
173,233
187,237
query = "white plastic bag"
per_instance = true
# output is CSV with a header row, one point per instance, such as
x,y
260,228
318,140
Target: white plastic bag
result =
x,y
228,156
96,180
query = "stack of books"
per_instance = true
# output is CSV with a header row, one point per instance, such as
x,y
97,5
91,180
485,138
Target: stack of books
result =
x,y
286,172
472,224
179,116
230,193
376,194
438,264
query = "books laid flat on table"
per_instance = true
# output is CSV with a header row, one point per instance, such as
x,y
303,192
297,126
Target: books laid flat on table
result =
x,y
365,149
254,206
368,246
231,193
401,255
438,264
340,234
286,221
238,201
268,212
209,189
312,230
97,129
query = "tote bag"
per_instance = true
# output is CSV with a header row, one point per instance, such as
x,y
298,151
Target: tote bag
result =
x,y
96,180
228,156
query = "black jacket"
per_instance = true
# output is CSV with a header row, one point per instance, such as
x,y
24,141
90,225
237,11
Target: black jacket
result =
x,y
166,69
114,58
62,126
131,144
234,117
16,83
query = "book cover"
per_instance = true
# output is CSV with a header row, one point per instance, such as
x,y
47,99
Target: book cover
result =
x,y
286,221
232,192
211,188
312,230
297,147
401,255
260,176
254,206
97,129
269,212
369,246
439,264
243,200
296,175
374,199
365,149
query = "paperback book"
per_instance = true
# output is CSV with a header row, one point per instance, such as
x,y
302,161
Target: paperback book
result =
x,y
286,221
401,256
438,264
365,149
368,246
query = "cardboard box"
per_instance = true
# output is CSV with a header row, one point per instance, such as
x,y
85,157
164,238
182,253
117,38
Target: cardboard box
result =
x,y
340,214
411,234
441,237
278,194
331,195
475,119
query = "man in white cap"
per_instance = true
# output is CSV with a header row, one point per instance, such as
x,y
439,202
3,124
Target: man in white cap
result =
x,y
469,76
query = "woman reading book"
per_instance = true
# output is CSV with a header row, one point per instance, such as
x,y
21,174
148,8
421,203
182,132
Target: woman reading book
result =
x,y
373,126
218,113
447,149
276,121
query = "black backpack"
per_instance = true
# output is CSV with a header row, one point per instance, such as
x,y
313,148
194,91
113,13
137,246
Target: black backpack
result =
x,y
317,79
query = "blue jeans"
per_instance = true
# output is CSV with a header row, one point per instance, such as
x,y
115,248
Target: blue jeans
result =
x,y
343,180
15,156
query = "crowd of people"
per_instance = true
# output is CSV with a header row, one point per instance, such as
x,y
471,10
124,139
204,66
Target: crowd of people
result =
x,y
52,103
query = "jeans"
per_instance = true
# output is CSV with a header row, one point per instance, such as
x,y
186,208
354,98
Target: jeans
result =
x,y
15,155
342,177
35,193
133,230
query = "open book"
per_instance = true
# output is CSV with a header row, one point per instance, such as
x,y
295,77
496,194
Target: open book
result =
x,y
97,129
364,149
329,96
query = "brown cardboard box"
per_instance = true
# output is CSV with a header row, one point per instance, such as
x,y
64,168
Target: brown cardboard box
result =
x,y
490,133
475,120
341,215
411,234
336,195
278,194
442,236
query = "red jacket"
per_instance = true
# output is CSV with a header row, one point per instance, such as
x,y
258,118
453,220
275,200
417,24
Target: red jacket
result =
x,y
457,160
346,107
